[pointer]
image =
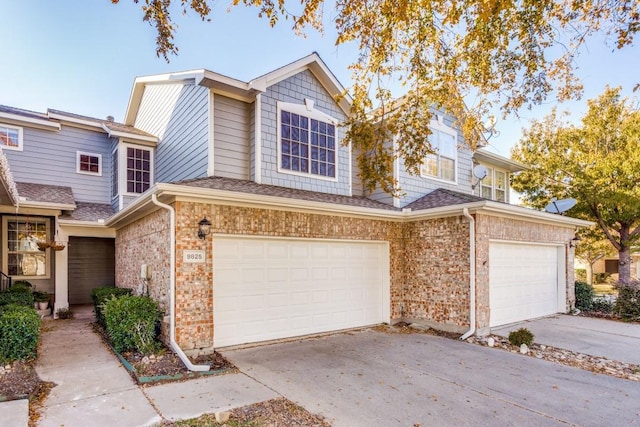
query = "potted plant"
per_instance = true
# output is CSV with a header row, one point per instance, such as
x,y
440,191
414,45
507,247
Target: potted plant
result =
x,y
42,298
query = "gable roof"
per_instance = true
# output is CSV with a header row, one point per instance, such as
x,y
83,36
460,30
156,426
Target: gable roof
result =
x,y
239,89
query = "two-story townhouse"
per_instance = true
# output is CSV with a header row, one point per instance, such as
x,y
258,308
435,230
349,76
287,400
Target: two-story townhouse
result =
x,y
61,185
252,224
295,246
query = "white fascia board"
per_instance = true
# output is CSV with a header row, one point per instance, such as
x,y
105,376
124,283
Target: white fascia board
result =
x,y
127,135
45,205
76,121
498,160
527,214
39,123
71,223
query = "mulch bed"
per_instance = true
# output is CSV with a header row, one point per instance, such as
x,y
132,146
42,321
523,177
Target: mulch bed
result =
x,y
18,380
278,412
166,366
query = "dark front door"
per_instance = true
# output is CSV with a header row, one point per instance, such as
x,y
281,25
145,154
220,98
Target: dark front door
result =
x,y
91,265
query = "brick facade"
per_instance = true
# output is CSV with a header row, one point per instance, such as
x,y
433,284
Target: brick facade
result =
x,y
429,265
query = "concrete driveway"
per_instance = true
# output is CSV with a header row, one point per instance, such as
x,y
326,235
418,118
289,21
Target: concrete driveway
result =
x,y
597,337
368,378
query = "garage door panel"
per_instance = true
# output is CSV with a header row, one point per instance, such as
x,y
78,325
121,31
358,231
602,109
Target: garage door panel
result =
x,y
523,281
306,286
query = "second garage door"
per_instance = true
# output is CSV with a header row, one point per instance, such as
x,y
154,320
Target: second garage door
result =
x,y
523,281
267,289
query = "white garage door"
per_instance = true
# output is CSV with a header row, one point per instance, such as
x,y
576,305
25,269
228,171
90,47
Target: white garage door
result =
x,y
523,282
267,288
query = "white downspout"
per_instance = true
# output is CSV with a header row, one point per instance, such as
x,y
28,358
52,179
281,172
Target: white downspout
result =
x,y
172,290
472,275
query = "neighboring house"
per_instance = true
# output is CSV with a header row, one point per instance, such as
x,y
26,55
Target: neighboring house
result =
x,y
295,247
609,265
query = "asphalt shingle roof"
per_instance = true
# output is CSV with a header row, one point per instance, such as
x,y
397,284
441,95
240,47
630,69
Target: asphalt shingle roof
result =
x,y
442,197
45,193
88,212
242,186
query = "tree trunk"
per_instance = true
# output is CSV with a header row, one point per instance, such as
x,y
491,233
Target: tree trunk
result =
x,y
624,264
590,274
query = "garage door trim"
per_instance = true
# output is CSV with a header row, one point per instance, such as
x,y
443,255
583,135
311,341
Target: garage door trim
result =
x,y
561,289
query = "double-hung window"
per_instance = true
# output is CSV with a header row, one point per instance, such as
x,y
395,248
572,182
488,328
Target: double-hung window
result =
x,y
308,141
10,137
443,162
494,185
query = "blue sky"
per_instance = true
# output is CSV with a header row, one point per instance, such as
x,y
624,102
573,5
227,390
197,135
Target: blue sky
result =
x,y
82,56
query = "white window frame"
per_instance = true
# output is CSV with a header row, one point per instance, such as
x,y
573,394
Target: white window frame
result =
x,y
437,126
310,112
5,252
79,154
20,137
492,174
123,167
115,171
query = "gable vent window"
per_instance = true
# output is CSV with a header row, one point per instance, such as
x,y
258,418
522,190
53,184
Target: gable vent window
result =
x,y
10,137
307,145
138,170
88,163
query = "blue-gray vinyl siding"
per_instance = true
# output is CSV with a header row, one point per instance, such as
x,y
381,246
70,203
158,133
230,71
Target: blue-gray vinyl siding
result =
x,y
294,90
231,124
178,115
50,158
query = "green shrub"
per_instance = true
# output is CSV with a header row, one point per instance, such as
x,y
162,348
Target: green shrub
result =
x,y
19,298
521,336
100,295
628,303
20,286
132,323
19,333
602,305
584,295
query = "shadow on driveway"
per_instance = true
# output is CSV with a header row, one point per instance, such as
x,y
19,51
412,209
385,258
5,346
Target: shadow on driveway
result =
x,y
369,378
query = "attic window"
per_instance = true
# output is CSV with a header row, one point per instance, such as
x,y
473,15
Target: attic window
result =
x,y
88,163
10,137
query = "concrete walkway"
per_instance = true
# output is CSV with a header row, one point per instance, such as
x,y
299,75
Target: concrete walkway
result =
x,y
596,337
94,389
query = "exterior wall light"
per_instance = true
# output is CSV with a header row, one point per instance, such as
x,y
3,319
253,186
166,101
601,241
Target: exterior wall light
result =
x,y
204,228
574,242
